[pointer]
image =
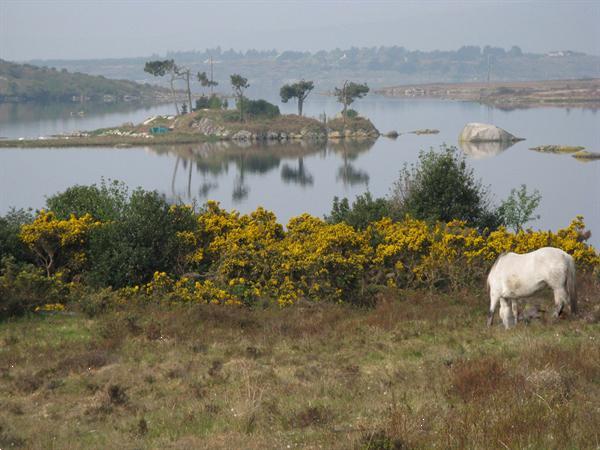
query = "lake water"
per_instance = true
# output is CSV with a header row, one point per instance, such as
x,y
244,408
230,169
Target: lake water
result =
x,y
296,178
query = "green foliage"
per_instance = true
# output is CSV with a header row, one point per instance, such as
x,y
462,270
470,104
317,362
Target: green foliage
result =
x,y
231,115
159,68
239,85
142,241
10,226
105,202
23,288
441,187
205,81
212,102
351,113
519,208
364,210
260,109
349,92
25,82
299,90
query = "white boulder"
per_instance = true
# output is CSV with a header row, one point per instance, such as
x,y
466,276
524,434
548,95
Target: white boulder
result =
x,y
483,132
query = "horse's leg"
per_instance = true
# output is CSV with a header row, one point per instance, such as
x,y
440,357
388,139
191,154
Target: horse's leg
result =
x,y
505,313
493,303
560,300
515,310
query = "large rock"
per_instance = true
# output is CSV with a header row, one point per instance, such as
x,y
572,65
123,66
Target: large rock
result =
x,y
483,132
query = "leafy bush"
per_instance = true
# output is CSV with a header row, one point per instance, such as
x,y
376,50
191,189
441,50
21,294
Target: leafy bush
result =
x,y
519,208
24,288
212,102
231,116
105,202
146,238
260,109
364,210
351,113
441,187
58,243
10,227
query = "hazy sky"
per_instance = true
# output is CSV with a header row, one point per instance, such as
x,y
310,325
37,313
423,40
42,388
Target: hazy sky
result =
x,y
48,29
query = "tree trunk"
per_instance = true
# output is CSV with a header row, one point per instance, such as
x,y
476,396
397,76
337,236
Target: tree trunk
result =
x,y
173,93
189,92
300,102
241,108
345,101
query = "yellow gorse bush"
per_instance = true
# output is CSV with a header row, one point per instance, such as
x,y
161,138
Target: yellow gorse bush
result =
x,y
50,238
247,258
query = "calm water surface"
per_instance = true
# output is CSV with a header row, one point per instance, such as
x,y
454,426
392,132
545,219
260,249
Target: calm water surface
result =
x,y
295,178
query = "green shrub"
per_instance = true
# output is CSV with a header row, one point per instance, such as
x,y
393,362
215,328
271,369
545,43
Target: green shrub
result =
x,y
441,187
519,208
364,210
94,303
142,241
105,202
23,288
231,116
351,113
212,102
10,226
260,109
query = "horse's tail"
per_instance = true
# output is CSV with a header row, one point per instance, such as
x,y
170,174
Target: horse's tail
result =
x,y
571,289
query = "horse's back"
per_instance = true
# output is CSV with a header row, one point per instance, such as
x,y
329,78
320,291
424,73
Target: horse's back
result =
x,y
516,273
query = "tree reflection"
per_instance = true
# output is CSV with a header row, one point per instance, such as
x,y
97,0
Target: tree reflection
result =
x,y
212,160
297,175
349,150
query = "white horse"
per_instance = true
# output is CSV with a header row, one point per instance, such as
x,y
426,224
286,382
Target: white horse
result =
x,y
515,276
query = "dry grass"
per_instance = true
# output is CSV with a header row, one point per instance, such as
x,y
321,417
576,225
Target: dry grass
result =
x,y
419,370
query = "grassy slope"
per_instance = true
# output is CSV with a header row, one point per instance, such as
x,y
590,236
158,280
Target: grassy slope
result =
x,y
28,82
420,369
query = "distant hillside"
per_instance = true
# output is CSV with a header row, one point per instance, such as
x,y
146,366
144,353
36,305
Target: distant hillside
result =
x,y
378,66
25,82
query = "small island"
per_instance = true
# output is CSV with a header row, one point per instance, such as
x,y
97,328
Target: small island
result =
x,y
209,126
211,119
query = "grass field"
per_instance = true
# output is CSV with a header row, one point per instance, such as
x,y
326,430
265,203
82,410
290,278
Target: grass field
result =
x,y
419,370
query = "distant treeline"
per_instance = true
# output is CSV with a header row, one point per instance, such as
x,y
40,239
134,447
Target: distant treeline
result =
x,y
379,66
25,82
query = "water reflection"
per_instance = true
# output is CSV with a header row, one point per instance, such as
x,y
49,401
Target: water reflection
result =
x,y
350,150
212,160
44,119
481,150
298,175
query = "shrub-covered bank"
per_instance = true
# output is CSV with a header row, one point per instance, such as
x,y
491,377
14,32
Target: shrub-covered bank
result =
x,y
137,245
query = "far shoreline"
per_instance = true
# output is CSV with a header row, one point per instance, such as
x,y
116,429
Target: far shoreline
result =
x,y
583,93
